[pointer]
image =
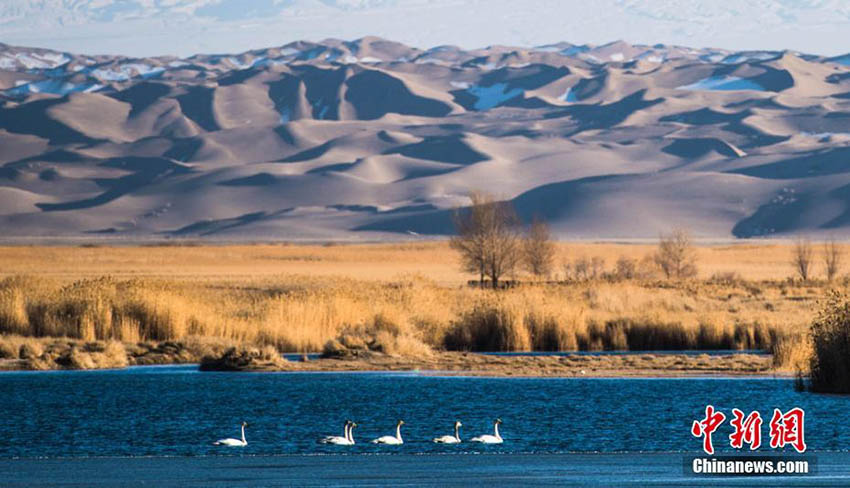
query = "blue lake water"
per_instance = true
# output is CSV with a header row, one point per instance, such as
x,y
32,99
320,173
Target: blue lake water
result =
x,y
177,411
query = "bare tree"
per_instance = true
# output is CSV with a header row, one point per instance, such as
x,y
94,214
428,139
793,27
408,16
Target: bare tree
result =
x,y
470,241
675,256
801,258
832,257
626,268
597,267
581,269
488,237
539,250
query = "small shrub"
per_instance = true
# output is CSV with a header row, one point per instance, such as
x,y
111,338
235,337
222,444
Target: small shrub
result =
x,y
830,333
487,328
792,352
626,268
727,278
30,350
547,334
712,336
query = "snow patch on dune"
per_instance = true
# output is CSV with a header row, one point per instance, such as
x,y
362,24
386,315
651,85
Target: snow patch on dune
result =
x,y
493,95
569,96
738,58
439,62
236,63
54,87
127,71
651,57
31,62
723,83
41,61
575,50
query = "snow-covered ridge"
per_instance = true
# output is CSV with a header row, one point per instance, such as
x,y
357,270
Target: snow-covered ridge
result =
x,y
48,72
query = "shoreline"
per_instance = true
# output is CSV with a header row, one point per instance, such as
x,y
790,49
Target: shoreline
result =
x,y
65,355
636,364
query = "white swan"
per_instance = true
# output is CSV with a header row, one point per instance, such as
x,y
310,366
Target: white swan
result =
x,y
231,442
450,439
388,439
351,433
490,439
346,439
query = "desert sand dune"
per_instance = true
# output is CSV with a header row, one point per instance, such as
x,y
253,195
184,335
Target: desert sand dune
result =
x,y
372,139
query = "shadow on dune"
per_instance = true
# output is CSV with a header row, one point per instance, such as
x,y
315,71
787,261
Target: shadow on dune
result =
x,y
197,105
769,78
374,94
445,149
184,149
697,147
549,202
308,154
588,87
213,226
259,179
428,222
819,163
236,77
10,173
507,86
147,171
706,116
32,118
284,93
754,137
555,200
330,167
142,95
526,78
355,208
323,89
775,80
209,227
599,116
843,194
779,215
57,156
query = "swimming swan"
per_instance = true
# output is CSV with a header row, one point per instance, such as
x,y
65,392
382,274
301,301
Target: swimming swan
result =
x,y
233,442
346,439
388,439
450,439
490,439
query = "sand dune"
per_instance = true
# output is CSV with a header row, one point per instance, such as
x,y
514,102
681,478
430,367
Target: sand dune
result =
x,y
372,139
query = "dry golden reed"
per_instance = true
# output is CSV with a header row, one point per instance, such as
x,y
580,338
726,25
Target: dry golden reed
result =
x,y
405,298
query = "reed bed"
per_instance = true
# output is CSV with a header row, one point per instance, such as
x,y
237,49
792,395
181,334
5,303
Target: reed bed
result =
x,y
413,315
403,299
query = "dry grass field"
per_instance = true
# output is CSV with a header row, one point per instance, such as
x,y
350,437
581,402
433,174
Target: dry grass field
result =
x,y
368,262
404,299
